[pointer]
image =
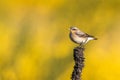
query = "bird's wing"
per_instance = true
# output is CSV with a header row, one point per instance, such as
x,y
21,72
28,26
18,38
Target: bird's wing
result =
x,y
84,35
89,35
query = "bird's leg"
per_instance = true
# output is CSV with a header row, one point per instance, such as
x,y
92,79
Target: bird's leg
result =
x,y
81,45
85,41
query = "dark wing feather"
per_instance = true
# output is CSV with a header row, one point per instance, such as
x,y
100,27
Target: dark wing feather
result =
x,y
90,36
85,35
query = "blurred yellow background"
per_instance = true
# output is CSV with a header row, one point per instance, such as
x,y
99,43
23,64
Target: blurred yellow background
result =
x,y
34,41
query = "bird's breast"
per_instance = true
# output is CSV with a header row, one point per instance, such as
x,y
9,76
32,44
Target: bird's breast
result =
x,y
77,39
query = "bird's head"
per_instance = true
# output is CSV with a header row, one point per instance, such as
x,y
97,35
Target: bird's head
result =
x,y
74,29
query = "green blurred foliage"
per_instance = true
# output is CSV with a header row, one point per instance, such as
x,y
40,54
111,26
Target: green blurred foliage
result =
x,y
34,42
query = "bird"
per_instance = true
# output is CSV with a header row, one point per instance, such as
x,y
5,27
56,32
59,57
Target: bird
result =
x,y
80,37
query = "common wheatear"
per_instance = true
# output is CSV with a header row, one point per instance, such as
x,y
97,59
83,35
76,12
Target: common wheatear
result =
x,y
80,37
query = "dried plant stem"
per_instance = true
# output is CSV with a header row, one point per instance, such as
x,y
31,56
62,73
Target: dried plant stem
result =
x,y
79,63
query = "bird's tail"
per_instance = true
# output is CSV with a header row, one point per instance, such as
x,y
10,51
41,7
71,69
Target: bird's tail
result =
x,y
95,38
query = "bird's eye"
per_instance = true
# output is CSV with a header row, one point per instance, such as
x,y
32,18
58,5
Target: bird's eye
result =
x,y
73,29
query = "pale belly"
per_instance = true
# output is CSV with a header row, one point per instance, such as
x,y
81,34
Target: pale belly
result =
x,y
77,39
